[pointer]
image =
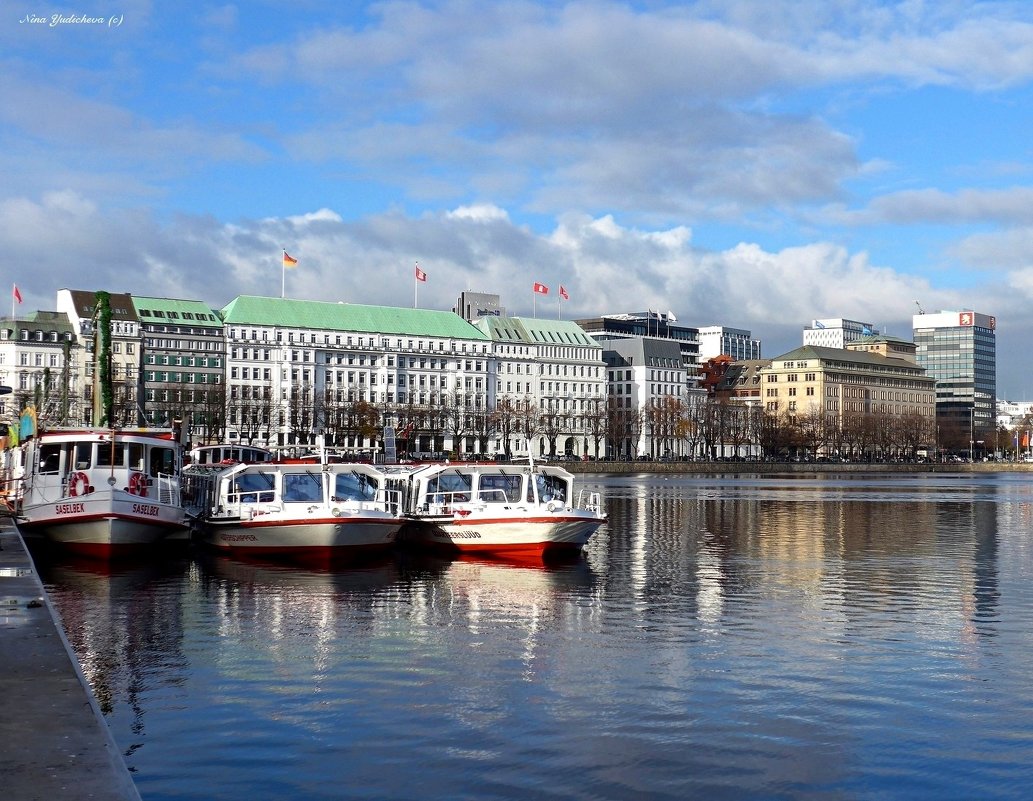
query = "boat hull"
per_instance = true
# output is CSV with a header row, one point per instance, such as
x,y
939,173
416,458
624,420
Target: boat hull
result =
x,y
320,538
101,524
552,535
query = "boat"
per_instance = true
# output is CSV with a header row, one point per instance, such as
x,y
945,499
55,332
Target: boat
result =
x,y
295,509
501,510
225,454
101,492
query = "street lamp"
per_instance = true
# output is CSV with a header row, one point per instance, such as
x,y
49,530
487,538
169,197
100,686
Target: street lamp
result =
x,y
972,432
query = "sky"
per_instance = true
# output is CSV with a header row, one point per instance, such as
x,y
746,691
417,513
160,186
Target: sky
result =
x,y
749,164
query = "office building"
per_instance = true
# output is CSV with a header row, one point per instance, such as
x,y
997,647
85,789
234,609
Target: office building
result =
x,y
959,350
835,332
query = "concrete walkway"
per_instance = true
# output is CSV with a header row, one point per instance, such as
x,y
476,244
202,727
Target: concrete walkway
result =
x,y
54,743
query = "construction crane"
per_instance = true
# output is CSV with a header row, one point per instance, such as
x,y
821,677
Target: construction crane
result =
x,y
920,309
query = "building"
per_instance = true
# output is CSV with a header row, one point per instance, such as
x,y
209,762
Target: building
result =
x,y
647,388
183,362
39,361
658,325
549,386
81,309
835,332
300,372
472,306
846,387
719,340
885,345
959,350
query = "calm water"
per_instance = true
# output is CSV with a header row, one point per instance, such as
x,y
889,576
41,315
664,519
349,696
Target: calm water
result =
x,y
723,638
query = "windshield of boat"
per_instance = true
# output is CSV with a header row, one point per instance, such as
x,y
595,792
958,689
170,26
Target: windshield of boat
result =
x,y
450,486
302,487
354,487
499,488
550,488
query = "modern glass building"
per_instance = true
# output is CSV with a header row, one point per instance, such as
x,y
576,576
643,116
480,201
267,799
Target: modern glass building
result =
x,y
959,350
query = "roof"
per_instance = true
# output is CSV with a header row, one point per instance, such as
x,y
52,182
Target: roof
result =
x,y
536,331
324,316
843,355
85,304
178,312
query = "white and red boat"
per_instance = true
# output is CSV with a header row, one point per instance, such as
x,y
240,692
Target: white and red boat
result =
x,y
101,492
296,509
500,510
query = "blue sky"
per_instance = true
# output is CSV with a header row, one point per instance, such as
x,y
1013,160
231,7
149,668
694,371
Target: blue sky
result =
x,y
753,164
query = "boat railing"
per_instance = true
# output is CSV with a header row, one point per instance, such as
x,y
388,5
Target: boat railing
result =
x,y
167,486
390,501
590,501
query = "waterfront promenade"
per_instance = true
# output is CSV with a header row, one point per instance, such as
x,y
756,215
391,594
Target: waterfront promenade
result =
x,y
54,744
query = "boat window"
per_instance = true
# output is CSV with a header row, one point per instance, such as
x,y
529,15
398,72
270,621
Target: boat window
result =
x,y
255,487
450,485
83,455
550,488
135,456
302,487
50,458
163,460
354,487
499,488
110,453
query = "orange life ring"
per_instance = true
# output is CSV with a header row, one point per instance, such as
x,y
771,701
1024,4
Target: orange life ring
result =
x,y
138,485
78,484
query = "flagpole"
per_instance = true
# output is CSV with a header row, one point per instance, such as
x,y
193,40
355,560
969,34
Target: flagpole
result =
x,y
283,275
534,304
416,287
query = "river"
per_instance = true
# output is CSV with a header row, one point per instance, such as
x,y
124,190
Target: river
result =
x,y
735,637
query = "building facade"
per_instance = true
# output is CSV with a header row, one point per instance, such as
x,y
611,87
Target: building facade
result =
x,y
647,387
300,371
39,361
81,309
844,387
548,386
719,340
182,365
836,332
959,350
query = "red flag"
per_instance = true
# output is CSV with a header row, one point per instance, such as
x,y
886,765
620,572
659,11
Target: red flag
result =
x,y
563,293
420,275
17,294
541,289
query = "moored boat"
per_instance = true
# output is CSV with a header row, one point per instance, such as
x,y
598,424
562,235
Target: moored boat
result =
x,y
296,510
101,492
500,510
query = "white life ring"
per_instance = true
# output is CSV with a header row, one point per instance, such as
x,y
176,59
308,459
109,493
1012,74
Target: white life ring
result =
x,y
78,484
138,484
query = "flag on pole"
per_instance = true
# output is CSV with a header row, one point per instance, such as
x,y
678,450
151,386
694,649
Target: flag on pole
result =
x,y
540,289
420,275
17,294
289,261
563,293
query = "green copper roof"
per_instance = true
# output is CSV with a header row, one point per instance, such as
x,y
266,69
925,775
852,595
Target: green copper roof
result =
x,y
320,315
536,331
175,312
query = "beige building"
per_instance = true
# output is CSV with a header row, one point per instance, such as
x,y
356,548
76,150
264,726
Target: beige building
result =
x,y
858,380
